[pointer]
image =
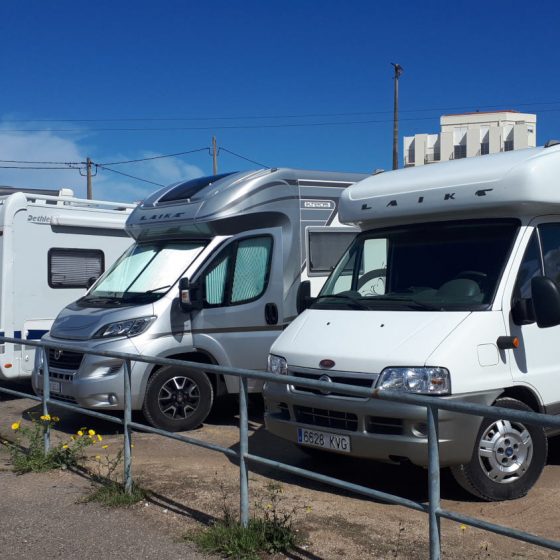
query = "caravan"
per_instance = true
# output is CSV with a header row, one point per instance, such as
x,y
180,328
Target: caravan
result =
x,y
212,278
450,290
52,248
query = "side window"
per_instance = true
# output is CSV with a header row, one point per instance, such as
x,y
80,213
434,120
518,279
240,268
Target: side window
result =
x,y
326,248
373,266
550,242
530,267
74,268
252,265
215,279
240,273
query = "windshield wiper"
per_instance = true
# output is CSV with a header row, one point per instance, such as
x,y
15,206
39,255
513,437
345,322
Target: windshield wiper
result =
x,y
412,303
157,289
347,299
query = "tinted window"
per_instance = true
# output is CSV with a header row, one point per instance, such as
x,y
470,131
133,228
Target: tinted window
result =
x,y
529,268
326,248
550,242
74,268
187,190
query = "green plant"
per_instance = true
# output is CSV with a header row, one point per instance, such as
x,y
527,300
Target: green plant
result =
x,y
28,454
269,531
110,490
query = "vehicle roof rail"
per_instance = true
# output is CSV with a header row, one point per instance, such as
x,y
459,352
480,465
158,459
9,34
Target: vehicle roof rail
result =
x,y
551,143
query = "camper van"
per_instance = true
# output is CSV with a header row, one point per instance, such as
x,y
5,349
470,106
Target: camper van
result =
x,y
52,248
450,290
212,278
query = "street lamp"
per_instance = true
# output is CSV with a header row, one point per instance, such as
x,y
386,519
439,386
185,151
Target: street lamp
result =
x,y
398,71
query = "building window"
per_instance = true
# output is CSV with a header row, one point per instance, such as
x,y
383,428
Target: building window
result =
x,y
459,151
508,145
74,268
484,148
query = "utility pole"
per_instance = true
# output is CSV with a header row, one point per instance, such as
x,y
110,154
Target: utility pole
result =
x,y
398,72
214,155
89,187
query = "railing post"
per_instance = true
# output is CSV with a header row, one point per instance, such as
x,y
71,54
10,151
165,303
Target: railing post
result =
x,y
243,450
434,483
45,400
126,429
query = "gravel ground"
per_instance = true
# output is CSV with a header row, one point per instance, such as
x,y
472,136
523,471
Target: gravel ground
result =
x,y
42,516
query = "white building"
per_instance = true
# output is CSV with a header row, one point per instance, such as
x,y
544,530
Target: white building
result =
x,y
472,134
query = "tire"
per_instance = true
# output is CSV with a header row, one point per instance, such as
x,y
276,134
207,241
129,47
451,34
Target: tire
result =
x,y
177,399
513,458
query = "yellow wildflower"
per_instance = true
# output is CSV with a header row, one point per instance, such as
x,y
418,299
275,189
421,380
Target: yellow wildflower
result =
x,y
65,446
99,438
80,433
104,446
15,426
463,528
72,438
268,506
55,419
91,433
98,457
46,417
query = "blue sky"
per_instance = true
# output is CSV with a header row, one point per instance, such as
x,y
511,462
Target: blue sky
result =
x,y
253,73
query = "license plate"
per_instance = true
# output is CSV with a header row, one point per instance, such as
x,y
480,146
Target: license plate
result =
x,y
325,440
54,386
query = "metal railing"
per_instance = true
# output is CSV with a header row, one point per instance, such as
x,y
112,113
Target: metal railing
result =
x,y
433,404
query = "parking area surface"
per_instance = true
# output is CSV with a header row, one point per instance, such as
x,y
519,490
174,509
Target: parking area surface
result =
x,y
191,486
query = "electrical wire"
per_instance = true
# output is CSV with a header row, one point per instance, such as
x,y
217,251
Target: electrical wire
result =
x,y
154,157
44,162
288,116
243,157
99,166
36,167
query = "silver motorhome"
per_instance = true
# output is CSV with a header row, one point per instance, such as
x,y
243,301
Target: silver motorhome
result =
x,y
213,278
52,247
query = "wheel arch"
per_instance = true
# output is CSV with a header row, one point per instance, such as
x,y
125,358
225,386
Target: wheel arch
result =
x,y
199,357
525,395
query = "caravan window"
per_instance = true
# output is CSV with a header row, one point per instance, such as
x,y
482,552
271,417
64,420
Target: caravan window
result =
x,y
325,249
74,268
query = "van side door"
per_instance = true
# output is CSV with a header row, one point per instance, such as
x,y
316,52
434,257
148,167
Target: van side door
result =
x,y
242,288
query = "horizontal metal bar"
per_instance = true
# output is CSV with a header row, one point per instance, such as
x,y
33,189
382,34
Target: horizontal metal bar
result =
x,y
369,492
500,529
19,394
184,439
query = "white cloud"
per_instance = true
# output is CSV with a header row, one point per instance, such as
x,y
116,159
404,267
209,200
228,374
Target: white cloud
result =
x,y
48,146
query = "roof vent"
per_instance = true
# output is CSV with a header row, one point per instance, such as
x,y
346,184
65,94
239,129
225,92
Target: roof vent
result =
x,y
551,143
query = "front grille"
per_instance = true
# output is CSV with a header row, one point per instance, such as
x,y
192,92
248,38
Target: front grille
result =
x,y
382,425
365,380
64,360
326,418
60,376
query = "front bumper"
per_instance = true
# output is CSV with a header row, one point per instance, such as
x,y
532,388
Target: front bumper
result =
x,y
379,430
92,381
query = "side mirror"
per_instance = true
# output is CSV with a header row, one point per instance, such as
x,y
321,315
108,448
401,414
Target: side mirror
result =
x,y
303,298
189,295
546,302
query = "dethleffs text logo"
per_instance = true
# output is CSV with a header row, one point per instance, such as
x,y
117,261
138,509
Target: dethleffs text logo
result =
x,y
166,216
421,199
39,219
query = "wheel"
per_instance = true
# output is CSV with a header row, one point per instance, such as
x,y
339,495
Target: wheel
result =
x,y
507,459
177,399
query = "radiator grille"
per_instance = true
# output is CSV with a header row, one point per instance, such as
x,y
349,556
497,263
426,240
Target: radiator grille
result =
x,y
326,418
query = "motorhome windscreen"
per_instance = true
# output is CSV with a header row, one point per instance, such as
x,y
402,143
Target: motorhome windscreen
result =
x,y
435,266
187,190
144,273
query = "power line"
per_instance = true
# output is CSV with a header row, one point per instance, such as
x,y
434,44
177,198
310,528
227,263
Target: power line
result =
x,y
36,167
43,162
99,166
154,157
286,116
243,157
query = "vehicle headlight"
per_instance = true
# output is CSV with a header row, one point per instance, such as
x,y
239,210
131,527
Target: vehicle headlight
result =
x,y
426,380
277,364
130,327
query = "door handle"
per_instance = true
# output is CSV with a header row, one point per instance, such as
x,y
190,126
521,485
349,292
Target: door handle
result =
x,y
271,314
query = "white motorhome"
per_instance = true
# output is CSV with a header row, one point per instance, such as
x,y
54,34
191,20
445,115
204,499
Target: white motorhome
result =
x,y
450,290
52,248
212,278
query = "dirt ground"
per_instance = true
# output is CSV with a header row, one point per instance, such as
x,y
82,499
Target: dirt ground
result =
x,y
190,487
